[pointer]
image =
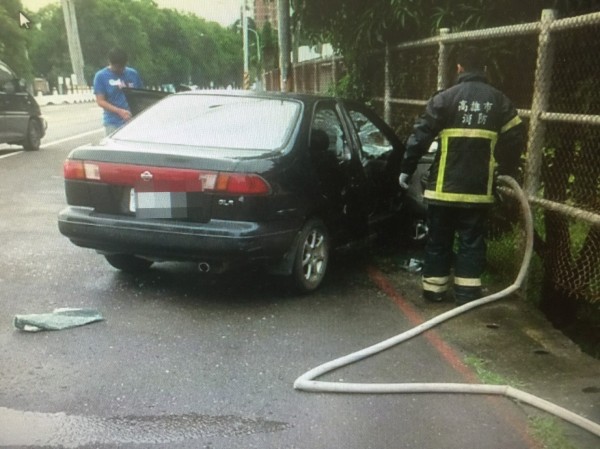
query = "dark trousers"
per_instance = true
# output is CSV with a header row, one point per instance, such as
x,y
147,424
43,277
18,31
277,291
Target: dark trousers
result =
x,y
468,224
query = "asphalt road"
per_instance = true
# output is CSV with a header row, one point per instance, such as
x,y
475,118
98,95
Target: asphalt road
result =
x,y
65,121
188,361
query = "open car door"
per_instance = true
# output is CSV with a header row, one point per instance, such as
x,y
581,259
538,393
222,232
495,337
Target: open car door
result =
x,y
140,99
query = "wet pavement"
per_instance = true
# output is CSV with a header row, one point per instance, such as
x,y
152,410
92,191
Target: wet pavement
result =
x,y
188,361
512,338
514,341
59,429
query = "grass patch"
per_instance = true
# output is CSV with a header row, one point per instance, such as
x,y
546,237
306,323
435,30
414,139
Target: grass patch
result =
x,y
549,432
546,430
487,376
504,256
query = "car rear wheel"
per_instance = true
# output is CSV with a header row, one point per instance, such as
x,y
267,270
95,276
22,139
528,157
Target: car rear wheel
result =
x,y
33,138
128,263
312,256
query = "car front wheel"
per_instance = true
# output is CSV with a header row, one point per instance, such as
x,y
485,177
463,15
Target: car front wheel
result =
x,y
128,263
312,256
33,138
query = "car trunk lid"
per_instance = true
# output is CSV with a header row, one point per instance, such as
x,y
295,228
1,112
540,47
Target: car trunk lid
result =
x,y
155,184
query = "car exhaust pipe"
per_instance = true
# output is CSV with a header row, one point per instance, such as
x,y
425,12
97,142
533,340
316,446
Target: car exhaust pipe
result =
x,y
204,267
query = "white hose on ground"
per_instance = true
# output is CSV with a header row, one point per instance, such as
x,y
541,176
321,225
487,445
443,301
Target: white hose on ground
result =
x,y
306,381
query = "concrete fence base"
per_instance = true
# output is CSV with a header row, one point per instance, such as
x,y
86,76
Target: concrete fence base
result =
x,y
77,97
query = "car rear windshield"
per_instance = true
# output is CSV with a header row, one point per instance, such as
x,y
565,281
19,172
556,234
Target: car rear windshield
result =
x,y
227,122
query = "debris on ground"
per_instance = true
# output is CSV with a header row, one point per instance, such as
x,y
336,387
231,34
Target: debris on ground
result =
x,y
58,319
413,265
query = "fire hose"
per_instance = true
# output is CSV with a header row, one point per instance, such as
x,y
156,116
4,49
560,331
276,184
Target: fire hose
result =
x,y
307,382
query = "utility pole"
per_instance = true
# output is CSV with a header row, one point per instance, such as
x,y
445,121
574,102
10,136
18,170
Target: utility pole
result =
x,y
283,19
246,80
73,40
296,42
258,59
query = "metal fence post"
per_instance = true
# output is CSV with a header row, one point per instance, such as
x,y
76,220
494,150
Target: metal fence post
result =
x,y
304,76
541,97
334,72
295,74
442,81
387,88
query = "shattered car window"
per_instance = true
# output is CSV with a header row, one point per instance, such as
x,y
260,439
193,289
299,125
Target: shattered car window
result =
x,y
373,141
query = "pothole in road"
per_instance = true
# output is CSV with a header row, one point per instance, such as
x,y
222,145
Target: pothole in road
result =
x,y
21,428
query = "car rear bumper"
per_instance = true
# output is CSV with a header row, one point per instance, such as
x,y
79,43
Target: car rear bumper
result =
x,y
217,240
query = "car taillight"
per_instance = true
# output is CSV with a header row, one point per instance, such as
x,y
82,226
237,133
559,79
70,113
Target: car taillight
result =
x,y
73,169
167,179
81,170
242,184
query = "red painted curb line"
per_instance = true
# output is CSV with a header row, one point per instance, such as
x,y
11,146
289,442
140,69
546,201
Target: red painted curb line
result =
x,y
447,353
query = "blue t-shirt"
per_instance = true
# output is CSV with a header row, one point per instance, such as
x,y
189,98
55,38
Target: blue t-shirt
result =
x,y
109,84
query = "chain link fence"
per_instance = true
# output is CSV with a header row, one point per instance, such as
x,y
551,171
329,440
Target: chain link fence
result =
x,y
550,70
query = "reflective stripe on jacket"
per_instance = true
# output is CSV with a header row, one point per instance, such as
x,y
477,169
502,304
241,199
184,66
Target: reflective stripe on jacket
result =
x,y
478,127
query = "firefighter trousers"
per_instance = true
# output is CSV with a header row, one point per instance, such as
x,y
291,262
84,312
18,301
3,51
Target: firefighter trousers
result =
x,y
446,223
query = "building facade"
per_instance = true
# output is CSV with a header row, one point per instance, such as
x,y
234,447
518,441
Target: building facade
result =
x,y
265,11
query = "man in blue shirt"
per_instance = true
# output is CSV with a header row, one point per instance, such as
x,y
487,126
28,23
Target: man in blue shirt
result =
x,y
108,83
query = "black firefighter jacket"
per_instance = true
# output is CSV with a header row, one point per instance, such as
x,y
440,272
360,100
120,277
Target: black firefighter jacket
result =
x,y
479,132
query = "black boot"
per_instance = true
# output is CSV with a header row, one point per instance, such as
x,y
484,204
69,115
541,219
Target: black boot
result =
x,y
463,295
430,296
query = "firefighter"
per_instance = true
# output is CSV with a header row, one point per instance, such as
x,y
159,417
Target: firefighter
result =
x,y
480,135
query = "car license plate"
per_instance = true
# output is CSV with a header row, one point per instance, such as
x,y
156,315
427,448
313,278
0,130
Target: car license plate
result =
x,y
158,204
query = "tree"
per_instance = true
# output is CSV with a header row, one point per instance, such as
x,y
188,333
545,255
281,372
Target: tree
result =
x,y
355,27
48,48
13,39
164,45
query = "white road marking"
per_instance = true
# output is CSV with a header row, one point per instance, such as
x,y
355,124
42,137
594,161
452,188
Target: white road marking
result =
x,y
11,154
56,142
66,139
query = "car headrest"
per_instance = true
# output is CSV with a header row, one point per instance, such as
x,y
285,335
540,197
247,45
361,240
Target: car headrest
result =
x,y
319,140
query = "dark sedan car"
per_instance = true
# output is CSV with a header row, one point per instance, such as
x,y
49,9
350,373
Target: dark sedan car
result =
x,y
230,178
21,120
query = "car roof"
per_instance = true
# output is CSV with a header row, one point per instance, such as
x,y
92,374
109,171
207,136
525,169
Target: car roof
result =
x,y
303,97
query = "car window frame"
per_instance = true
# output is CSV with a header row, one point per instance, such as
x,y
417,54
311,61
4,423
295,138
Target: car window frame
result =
x,y
381,125
350,141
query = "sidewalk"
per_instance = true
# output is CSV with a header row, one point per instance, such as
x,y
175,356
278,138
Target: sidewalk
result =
x,y
516,343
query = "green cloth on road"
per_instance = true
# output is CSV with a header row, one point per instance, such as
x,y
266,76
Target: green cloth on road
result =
x,y
57,320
